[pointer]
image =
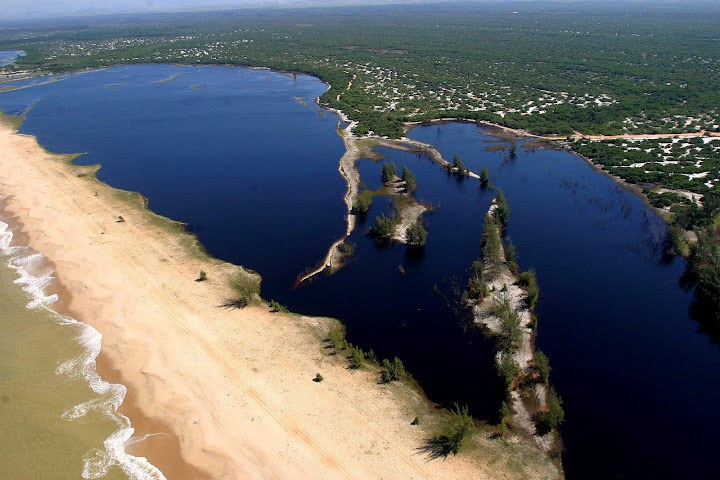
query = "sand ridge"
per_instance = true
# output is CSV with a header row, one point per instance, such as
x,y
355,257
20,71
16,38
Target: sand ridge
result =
x,y
234,386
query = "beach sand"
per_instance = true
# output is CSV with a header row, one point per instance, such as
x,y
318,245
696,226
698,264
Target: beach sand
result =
x,y
230,391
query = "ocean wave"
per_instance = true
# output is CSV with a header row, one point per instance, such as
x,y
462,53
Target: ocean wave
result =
x,y
34,276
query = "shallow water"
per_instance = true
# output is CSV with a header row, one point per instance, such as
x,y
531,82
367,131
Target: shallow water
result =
x,y
53,424
253,171
8,57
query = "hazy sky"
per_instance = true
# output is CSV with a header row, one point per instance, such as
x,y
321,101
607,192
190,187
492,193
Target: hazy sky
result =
x,y
25,8
49,8
52,8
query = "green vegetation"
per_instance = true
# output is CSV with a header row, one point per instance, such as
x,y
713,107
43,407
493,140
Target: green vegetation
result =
x,y
416,235
502,212
202,277
383,228
510,324
688,165
409,178
458,167
542,366
346,249
484,177
276,307
704,266
318,378
551,418
491,248
392,371
504,414
457,427
363,202
416,420
508,370
655,70
388,172
246,287
528,281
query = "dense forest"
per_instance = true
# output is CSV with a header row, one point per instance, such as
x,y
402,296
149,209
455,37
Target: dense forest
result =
x,y
547,68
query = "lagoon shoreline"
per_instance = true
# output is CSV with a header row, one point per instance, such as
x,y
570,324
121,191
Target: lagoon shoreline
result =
x,y
208,376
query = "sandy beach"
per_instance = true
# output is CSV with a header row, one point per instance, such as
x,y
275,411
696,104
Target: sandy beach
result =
x,y
221,393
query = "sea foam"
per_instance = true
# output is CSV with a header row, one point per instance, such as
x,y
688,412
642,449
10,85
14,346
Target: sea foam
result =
x,y
34,276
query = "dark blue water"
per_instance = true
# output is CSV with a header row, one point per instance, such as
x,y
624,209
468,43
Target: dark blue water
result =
x,y
254,174
640,383
229,151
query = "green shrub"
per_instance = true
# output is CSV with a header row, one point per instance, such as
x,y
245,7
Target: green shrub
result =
x,y
484,177
528,281
508,370
363,202
542,366
416,235
383,228
392,371
389,170
551,418
318,378
336,338
356,358
460,169
202,277
409,179
491,247
276,307
246,287
457,427
502,212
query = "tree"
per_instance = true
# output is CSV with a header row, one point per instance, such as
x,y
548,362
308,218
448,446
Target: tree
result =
x,y
416,235
508,370
484,177
502,212
456,428
363,202
528,281
551,418
510,324
383,228
504,413
542,365
491,248
409,179
460,169
394,370
389,170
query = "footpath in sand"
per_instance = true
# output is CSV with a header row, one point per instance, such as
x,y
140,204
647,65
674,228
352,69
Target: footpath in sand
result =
x,y
231,390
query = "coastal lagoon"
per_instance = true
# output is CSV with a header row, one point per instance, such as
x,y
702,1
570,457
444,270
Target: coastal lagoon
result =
x,y
249,162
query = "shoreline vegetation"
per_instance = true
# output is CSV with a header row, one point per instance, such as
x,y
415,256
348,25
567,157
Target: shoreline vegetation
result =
x,y
185,358
502,301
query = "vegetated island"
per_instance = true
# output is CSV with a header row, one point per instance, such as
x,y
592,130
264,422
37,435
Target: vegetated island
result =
x,y
503,302
238,387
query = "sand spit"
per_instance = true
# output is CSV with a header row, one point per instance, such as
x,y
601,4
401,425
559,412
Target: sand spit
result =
x,y
505,286
234,387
